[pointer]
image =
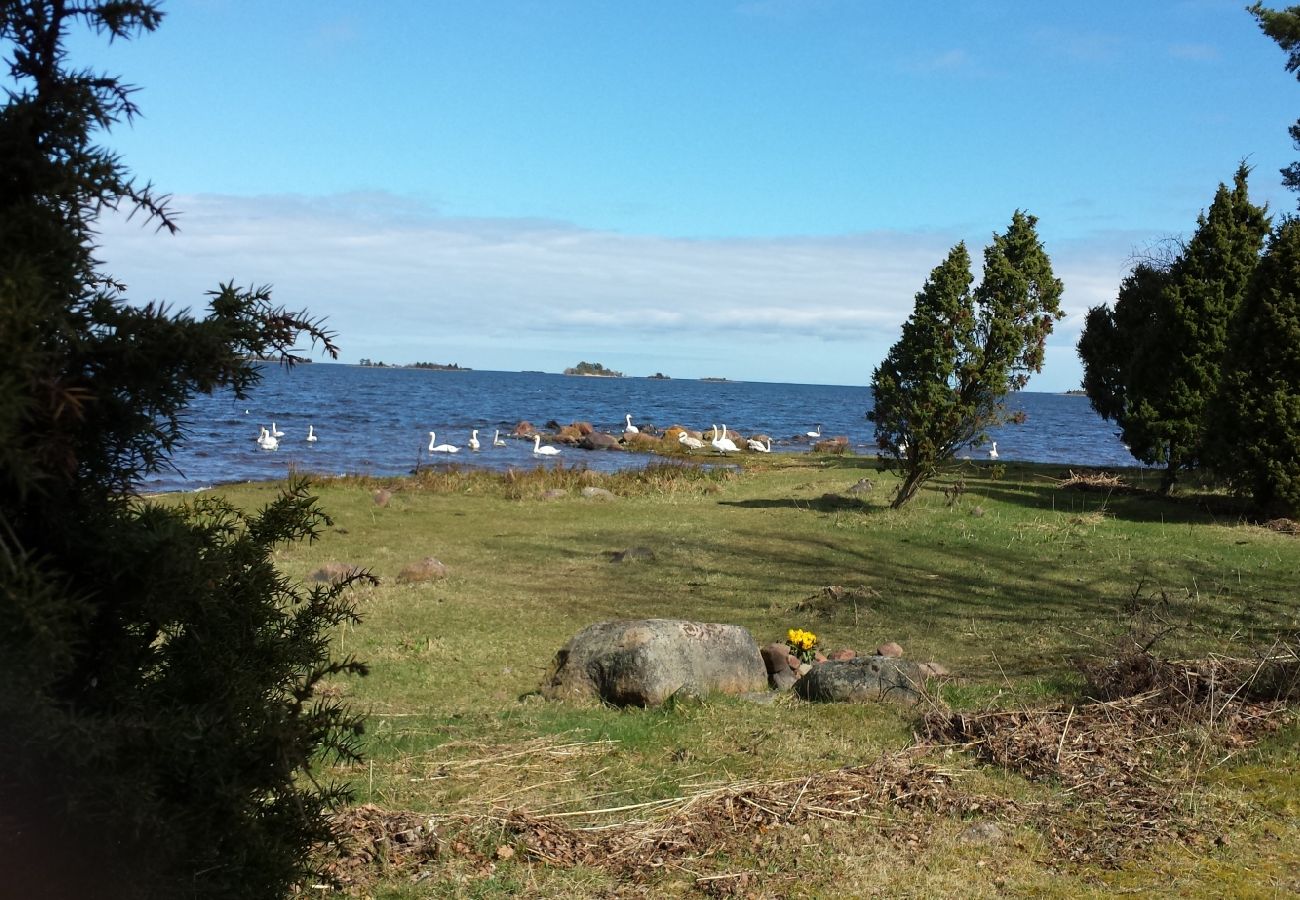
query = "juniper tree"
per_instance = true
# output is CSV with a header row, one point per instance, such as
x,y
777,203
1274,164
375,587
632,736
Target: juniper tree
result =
x,y
1254,427
158,713
1283,26
961,351
1153,364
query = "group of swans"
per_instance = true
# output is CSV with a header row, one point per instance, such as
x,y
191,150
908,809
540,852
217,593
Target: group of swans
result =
x,y
722,443
497,441
269,438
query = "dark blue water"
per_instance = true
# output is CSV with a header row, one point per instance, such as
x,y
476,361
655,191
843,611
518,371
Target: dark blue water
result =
x,y
377,421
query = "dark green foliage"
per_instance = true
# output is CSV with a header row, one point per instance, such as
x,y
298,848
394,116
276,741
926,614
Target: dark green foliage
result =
x,y
1256,421
1283,26
157,674
962,351
1152,363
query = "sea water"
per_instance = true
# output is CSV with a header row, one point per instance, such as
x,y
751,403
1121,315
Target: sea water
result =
x,y
377,421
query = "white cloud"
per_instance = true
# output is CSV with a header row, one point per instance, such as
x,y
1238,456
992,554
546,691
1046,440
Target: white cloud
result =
x,y
401,283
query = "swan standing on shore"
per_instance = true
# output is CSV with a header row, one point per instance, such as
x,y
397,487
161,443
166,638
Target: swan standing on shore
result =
x,y
440,448
311,434
757,446
473,439
498,440
993,452
690,443
723,444
539,450
816,432
631,429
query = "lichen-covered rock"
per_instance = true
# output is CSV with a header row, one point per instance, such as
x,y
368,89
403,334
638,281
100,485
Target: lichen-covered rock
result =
x,y
643,662
591,492
861,680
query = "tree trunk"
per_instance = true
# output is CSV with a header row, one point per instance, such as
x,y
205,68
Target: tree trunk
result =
x,y
907,490
1168,478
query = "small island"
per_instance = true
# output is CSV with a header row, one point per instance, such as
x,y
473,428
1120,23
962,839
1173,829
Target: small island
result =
x,y
659,376
715,379
595,370
437,367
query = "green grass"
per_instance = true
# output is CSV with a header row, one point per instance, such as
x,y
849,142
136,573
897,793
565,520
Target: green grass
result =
x,y
1007,587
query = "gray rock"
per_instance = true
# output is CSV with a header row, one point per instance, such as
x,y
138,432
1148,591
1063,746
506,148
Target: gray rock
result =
x,y
982,833
862,679
644,662
598,440
597,493
632,554
861,486
782,679
334,572
427,569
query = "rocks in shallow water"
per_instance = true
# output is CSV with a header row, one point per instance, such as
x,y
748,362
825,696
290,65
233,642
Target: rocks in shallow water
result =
x,y
427,569
644,662
598,440
862,679
524,429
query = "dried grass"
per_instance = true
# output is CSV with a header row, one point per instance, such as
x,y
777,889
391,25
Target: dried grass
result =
x,y
1104,482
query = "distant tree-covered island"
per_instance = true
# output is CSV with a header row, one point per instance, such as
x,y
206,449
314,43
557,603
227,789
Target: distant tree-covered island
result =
x,y
659,376
437,367
596,369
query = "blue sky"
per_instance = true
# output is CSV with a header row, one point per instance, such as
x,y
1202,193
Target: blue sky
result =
x,y
753,190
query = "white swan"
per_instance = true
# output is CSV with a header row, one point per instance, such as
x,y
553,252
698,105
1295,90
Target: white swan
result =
x,y
473,439
902,448
275,432
440,448
498,440
631,429
993,452
757,446
723,444
539,450
311,434
690,443
267,441
816,432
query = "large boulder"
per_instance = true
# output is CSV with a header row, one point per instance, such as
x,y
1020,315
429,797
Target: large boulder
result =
x,y
598,440
643,662
861,680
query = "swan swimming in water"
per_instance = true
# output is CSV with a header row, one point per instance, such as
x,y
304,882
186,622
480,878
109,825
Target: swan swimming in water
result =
x,y
816,432
631,429
267,441
440,448
311,434
473,439
993,452
690,443
757,446
275,432
539,450
498,440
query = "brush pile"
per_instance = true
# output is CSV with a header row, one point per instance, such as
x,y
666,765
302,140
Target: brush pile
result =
x,y
1103,482
1128,763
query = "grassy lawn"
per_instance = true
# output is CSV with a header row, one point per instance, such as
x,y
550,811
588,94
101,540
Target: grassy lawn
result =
x,y
1008,582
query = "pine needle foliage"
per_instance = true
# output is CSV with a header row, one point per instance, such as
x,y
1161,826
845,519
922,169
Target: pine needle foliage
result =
x,y
1255,423
1152,363
962,350
1283,26
158,712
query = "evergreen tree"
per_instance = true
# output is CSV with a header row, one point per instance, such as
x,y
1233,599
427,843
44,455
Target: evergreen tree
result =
x,y
1154,363
158,715
1283,26
962,351
1255,431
